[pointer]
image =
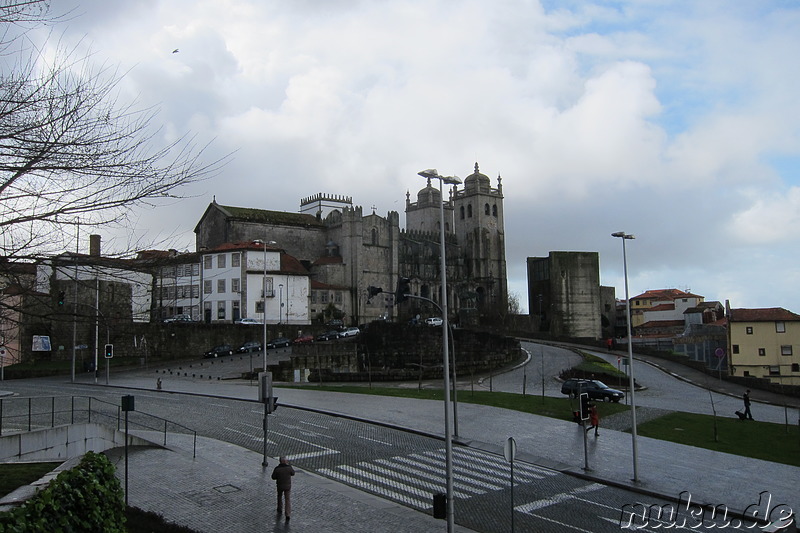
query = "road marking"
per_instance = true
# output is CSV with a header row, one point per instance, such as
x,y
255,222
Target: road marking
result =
x,y
431,473
306,455
375,440
462,473
557,498
533,469
405,477
315,425
376,489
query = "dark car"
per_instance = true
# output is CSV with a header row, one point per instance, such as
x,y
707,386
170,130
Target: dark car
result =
x,y
177,318
249,346
335,323
328,336
280,342
597,390
304,339
216,351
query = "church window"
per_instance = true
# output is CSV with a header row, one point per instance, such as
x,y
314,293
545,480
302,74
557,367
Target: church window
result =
x,y
485,209
374,236
462,212
469,211
494,210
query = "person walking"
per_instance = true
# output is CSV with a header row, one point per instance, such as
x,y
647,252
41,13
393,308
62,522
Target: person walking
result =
x,y
282,474
746,397
594,419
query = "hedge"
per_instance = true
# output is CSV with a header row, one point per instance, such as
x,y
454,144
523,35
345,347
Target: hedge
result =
x,y
87,498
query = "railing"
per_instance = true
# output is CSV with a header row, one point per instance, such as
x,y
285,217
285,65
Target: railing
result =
x,y
40,412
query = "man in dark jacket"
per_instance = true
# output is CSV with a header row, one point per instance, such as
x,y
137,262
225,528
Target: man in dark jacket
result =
x,y
282,474
746,399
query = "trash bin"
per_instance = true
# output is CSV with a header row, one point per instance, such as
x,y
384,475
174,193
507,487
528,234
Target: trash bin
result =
x,y
440,505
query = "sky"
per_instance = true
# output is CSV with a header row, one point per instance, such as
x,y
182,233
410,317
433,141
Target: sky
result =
x,y
675,121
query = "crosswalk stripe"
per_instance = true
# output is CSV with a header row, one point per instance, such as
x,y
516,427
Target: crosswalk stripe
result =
x,y
377,489
502,463
432,472
557,498
462,474
421,482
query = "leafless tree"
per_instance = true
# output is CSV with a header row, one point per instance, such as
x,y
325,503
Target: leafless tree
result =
x,y
69,150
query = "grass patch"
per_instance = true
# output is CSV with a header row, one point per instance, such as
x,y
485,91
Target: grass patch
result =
x,y
759,440
593,364
560,408
15,475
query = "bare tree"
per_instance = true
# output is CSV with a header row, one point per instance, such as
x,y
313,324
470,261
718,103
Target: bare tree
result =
x,y
69,150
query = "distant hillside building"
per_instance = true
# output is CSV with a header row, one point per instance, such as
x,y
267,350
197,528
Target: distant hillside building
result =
x,y
764,343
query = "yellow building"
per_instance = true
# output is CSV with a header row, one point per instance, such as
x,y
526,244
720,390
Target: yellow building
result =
x,y
764,343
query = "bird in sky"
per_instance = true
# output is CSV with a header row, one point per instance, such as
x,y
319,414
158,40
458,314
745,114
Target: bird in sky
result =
x,y
175,51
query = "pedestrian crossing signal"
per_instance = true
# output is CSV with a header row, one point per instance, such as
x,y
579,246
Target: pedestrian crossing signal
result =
x,y
584,406
109,351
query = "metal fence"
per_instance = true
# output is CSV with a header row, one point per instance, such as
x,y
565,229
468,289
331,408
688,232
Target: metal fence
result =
x,y
42,412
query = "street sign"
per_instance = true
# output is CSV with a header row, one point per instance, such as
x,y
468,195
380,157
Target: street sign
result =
x,y
719,352
81,347
510,450
41,343
2,351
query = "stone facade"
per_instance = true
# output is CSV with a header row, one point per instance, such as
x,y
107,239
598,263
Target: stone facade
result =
x,y
347,251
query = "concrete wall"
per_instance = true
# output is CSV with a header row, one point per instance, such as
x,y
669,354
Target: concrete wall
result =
x,y
62,442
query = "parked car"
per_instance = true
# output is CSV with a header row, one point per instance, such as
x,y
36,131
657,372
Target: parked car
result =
x,y
349,332
217,351
433,321
304,339
249,346
249,321
279,342
327,336
178,318
335,323
597,390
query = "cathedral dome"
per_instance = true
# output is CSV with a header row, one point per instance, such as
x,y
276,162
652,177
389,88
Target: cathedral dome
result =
x,y
429,195
476,179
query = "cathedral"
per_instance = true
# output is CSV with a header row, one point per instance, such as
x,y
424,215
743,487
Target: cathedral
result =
x,y
345,251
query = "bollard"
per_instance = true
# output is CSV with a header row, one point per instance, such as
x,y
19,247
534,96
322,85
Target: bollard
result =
x,y
440,505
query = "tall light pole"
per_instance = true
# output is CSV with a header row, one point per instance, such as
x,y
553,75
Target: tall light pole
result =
x,y
624,236
280,308
264,299
451,180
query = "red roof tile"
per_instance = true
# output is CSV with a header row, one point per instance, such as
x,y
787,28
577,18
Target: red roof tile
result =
x,y
770,314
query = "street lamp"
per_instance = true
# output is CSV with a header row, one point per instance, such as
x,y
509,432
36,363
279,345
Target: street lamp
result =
x,y
280,309
450,180
264,298
624,236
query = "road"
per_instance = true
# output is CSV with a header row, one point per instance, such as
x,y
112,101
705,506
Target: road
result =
x,y
401,466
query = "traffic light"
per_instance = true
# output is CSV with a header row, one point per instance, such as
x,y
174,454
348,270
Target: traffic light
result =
x,y
584,406
373,291
403,288
109,351
61,298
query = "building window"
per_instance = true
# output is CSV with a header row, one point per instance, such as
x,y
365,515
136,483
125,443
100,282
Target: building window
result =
x,y
786,349
236,259
207,264
260,306
374,237
469,211
195,269
337,297
746,373
795,367
780,327
748,330
235,285
195,291
236,310
323,297
220,285
461,210
762,352
735,348
486,209
220,310
207,286
221,261
774,371
494,210
313,297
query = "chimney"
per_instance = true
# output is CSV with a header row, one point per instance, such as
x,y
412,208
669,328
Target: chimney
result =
x,y
94,245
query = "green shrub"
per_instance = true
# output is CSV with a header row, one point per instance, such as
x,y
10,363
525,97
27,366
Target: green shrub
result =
x,y
86,498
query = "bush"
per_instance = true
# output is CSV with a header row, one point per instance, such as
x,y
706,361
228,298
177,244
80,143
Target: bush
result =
x,y
85,498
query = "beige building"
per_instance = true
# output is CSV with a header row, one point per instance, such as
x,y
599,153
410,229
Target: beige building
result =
x,y
764,343
662,305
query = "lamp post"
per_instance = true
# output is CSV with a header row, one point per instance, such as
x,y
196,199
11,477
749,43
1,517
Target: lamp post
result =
x,y
280,309
624,236
264,298
454,180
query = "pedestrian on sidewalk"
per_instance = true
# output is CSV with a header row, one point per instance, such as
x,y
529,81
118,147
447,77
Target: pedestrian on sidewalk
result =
x,y
594,419
746,398
610,343
282,474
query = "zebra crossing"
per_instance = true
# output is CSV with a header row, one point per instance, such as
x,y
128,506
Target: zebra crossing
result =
x,y
413,479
